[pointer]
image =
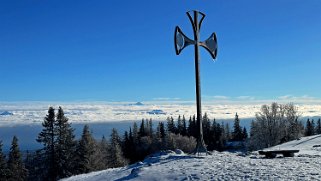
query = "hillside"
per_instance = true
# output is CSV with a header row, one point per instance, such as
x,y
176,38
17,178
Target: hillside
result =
x,y
308,146
220,166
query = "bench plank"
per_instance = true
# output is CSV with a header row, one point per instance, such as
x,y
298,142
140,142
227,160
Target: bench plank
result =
x,y
272,154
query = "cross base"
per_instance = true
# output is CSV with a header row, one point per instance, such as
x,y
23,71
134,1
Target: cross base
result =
x,y
200,148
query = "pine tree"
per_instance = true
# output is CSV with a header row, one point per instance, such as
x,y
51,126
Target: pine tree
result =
x,y
192,127
170,125
47,138
318,127
116,155
308,128
3,165
179,129
127,145
147,128
237,133
85,151
213,135
104,149
65,146
244,133
142,130
227,132
135,133
313,127
162,130
150,126
17,170
184,131
206,128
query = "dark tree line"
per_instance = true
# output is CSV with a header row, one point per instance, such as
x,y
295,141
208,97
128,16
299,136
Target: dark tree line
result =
x,y
311,128
14,168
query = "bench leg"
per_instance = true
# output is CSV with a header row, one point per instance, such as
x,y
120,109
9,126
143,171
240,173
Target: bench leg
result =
x,y
270,155
288,154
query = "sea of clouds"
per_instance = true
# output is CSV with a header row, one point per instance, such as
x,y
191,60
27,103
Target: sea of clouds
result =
x,y
25,113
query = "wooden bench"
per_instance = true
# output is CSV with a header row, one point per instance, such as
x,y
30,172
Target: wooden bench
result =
x,y
272,154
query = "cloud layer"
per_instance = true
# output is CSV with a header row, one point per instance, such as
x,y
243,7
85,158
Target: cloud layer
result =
x,y
34,112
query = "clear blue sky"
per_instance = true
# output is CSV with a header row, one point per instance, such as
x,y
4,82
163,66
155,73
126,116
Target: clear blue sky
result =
x,y
123,50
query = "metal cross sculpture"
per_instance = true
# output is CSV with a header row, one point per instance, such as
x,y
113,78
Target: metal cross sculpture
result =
x,y
181,41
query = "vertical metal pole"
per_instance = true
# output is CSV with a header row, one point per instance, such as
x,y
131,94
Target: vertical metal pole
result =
x,y
200,142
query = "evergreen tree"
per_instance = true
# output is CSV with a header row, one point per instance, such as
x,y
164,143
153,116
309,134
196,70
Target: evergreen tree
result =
x,y
17,170
184,131
65,146
116,155
162,130
3,165
142,130
150,126
171,125
104,150
313,127
206,124
308,128
215,129
244,133
227,132
237,133
135,133
179,129
127,144
85,151
318,127
47,138
192,127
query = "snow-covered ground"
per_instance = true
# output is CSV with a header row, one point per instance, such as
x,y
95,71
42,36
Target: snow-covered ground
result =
x,y
308,146
219,166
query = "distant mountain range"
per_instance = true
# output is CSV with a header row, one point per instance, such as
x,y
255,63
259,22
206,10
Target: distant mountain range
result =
x,y
6,113
136,104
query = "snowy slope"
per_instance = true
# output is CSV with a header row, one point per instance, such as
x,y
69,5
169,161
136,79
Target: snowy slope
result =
x,y
218,166
310,145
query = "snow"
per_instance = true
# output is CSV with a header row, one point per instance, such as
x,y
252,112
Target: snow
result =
x,y
177,165
308,146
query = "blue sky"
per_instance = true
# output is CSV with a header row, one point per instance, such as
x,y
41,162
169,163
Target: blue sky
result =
x,y
123,50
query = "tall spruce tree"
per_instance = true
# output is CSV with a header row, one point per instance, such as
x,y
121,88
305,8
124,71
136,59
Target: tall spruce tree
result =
x,y
4,172
192,130
85,151
127,148
17,170
309,129
65,146
313,127
150,127
237,132
104,150
47,138
206,128
135,133
244,133
116,155
227,131
142,130
318,127
162,130
184,131
171,125
179,129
